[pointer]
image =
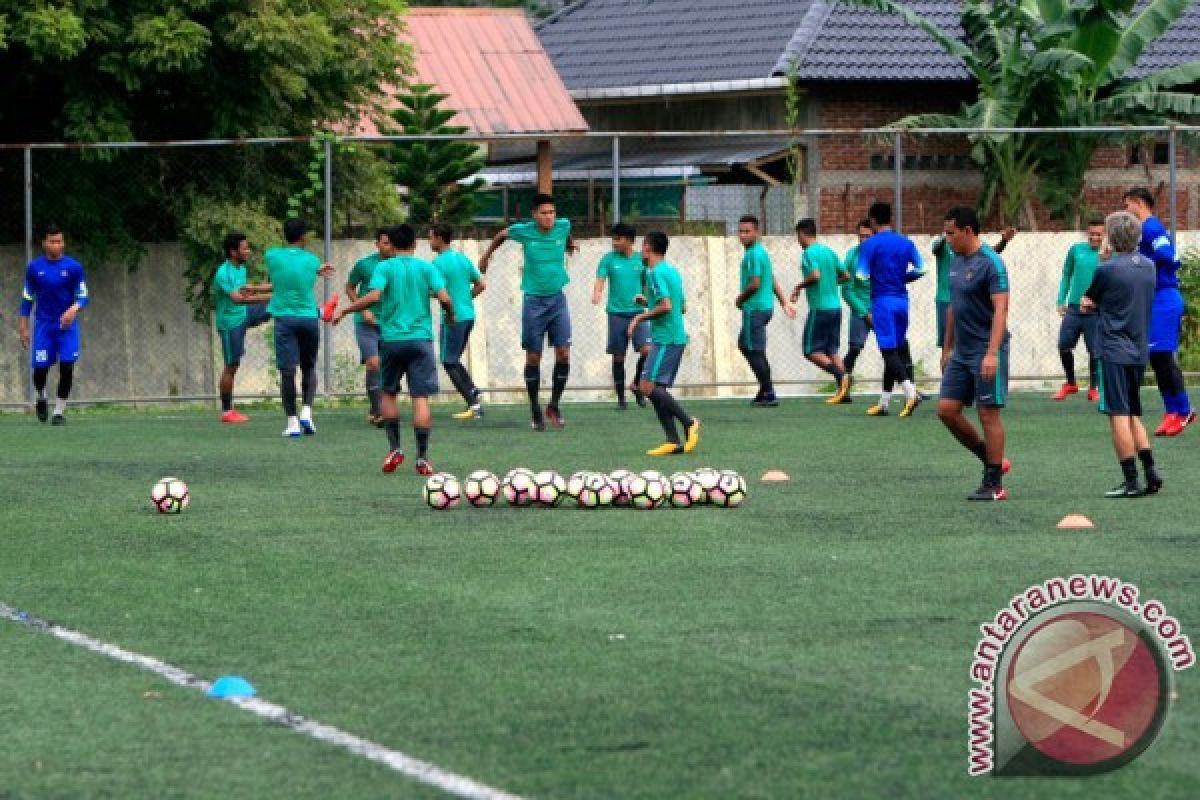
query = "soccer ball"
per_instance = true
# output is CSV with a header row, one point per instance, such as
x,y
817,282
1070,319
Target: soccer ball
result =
x,y
518,487
548,488
169,496
707,478
685,491
619,478
647,490
481,488
442,491
598,491
730,490
576,484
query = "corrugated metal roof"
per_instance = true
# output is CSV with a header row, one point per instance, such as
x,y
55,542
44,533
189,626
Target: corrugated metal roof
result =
x,y
493,68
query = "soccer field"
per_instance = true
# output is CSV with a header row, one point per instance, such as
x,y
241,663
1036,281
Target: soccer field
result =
x,y
813,643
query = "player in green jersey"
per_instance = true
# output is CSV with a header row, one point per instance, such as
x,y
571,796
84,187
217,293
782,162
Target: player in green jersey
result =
x,y
1078,269
819,268
621,270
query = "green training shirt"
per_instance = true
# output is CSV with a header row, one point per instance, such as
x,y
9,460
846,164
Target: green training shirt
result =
x,y
545,270
757,264
944,260
664,281
856,291
624,276
1078,270
406,283
822,295
459,274
360,279
293,273
228,314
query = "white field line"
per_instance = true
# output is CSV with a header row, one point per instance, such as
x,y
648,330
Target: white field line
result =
x,y
423,771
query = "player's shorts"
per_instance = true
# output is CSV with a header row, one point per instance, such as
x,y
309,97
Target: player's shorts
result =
x,y
52,344
454,340
823,332
943,311
297,340
1076,324
1166,316
542,318
618,334
663,363
366,336
890,317
411,359
753,336
233,340
1120,389
963,382
857,334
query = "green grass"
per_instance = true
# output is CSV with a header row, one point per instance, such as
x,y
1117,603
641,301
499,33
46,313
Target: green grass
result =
x,y
813,643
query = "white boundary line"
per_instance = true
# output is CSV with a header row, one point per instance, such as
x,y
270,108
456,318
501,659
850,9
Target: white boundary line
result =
x,y
423,771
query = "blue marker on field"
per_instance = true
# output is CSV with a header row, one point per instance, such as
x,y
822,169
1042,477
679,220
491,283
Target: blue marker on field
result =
x,y
231,686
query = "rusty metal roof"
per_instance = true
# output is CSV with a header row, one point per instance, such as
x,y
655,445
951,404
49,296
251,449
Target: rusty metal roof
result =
x,y
492,66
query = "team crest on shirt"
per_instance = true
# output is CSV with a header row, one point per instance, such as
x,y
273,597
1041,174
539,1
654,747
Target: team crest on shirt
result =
x,y
969,274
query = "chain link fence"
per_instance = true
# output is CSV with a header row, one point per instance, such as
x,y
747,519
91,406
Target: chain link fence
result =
x,y
146,221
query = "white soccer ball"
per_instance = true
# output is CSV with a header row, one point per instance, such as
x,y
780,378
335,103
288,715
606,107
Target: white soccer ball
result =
x,y
647,490
169,495
548,488
619,479
598,491
442,491
576,484
685,491
481,488
707,478
517,487
730,491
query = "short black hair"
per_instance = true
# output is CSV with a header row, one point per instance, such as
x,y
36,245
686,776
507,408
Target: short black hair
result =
x,y
294,230
541,199
443,231
880,212
625,230
865,222
380,232
748,219
232,242
657,241
1095,222
963,217
807,226
52,229
1140,193
403,236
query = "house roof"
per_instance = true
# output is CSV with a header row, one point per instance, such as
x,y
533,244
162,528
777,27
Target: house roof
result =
x,y
492,67
662,42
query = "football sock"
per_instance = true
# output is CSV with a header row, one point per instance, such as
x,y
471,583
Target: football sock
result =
x,y
66,376
39,380
906,358
851,358
991,475
422,435
1147,458
455,376
293,424
618,373
980,451
665,417
885,400
392,428
287,388
472,391
558,381
1129,470
833,370
60,405
910,391
1093,372
308,384
306,412
227,401
1068,363
533,382
667,400
373,391
641,367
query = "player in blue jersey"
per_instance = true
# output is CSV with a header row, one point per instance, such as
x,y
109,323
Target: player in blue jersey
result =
x,y
891,261
55,286
1167,318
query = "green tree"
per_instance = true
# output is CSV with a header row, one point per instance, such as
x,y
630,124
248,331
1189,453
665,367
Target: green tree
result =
x,y
434,172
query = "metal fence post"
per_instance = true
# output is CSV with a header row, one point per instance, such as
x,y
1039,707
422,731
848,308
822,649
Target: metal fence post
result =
x,y
1173,172
327,358
898,203
616,180
29,242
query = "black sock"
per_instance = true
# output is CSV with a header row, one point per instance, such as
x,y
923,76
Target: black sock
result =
x,y
227,401
39,380
893,368
833,370
373,391
422,435
308,385
66,376
667,400
1129,470
454,373
533,384
851,358
641,367
1068,364
980,451
287,389
761,369
392,428
1147,458
1093,372
558,381
991,475
472,393
618,372
665,417
906,359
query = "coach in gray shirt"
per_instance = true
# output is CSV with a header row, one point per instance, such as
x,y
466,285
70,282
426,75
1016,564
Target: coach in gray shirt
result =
x,y
1122,293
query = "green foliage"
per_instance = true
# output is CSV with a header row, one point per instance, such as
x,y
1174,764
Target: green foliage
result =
x,y
1189,284
206,224
434,172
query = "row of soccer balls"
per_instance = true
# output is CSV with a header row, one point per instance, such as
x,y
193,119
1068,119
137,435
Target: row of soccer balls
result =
x,y
641,490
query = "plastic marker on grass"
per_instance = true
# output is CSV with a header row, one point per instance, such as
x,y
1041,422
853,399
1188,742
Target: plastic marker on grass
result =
x,y
231,686
1075,522
775,476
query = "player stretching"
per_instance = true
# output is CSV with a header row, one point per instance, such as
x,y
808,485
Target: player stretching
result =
x,y
366,326
293,272
819,268
55,284
756,301
622,270
1078,269
891,262
546,240
1165,322
1123,295
237,307
463,284
856,292
665,305
975,350
402,286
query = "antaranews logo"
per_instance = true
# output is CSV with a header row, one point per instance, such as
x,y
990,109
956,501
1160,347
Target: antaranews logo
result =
x,y
1074,677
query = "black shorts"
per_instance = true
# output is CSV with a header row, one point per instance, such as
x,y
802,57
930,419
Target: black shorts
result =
x,y
859,328
662,366
1075,324
1120,389
618,334
545,318
823,332
297,340
963,382
413,359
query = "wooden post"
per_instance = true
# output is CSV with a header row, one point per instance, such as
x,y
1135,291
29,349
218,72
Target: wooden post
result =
x,y
545,167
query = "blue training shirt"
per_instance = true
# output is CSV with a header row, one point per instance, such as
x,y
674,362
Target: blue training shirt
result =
x,y
1157,246
891,261
53,286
